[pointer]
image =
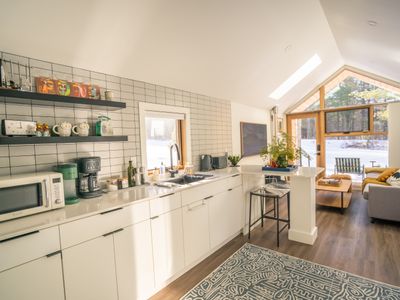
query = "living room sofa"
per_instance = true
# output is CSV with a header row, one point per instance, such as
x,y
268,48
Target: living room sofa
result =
x,y
383,199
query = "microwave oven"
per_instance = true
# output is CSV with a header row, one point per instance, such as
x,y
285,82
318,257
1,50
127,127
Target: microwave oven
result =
x,y
27,194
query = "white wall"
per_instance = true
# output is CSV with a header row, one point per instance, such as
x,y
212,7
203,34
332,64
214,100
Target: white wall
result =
x,y
394,134
245,113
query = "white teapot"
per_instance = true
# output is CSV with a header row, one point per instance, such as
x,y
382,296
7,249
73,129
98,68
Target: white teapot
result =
x,y
82,129
64,129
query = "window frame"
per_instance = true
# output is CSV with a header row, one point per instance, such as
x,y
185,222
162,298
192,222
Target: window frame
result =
x,y
183,130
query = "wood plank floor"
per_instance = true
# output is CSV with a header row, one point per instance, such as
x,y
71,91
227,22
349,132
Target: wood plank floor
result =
x,y
347,242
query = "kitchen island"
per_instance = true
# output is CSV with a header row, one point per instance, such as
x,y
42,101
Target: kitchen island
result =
x,y
302,198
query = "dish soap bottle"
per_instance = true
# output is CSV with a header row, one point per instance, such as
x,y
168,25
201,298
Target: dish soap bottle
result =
x,y
162,169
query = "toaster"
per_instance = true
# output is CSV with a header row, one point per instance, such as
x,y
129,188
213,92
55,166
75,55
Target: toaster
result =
x,y
219,162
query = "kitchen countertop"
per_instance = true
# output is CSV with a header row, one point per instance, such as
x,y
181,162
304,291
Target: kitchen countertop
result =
x,y
88,207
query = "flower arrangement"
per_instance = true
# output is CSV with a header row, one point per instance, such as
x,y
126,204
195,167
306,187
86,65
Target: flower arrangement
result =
x,y
282,152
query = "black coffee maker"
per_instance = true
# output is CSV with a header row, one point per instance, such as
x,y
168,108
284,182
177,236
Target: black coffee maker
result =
x,y
88,184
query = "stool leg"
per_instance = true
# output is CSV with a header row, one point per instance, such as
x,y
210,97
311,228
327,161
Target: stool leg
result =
x,y
262,210
288,208
251,195
277,221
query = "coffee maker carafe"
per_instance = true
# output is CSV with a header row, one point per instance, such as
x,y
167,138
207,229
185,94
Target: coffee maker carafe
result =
x,y
88,184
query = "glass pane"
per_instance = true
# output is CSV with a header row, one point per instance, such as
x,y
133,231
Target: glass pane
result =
x,y
161,133
20,197
380,118
304,133
372,150
350,88
354,120
311,104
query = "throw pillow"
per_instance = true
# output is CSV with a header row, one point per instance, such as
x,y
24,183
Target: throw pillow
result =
x,y
394,179
386,174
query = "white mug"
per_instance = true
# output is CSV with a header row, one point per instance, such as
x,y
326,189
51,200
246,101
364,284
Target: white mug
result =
x,y
108,95
81,129
64,129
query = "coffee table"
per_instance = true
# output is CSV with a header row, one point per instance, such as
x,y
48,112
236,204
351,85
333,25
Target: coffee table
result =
x,y
334,196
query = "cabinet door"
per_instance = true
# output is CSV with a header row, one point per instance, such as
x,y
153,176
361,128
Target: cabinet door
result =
x,y
220,218
167,234
225,215
89,270
236,202
38,279
195,230
134,261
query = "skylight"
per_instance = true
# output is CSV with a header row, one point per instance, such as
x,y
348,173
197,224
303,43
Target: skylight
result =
x,y
296,77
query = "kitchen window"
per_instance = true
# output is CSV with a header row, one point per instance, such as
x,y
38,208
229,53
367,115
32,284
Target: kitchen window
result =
x,y
161,128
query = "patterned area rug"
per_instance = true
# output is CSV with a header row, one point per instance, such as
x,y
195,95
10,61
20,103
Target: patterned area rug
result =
x,y
258,273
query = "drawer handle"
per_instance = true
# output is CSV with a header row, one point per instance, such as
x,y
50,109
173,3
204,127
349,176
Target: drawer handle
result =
x,y
155,217
19,236
54,253
170,194
209,197
196,206
110,211
112,232
230,190
235,175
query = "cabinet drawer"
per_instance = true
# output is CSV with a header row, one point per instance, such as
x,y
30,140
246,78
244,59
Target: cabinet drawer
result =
x,y
27,247
91,227
202,192
233,181
165,204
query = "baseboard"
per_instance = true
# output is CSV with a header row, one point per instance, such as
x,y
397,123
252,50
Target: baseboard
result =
x,y
303,237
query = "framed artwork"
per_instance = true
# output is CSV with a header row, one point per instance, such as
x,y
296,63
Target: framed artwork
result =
x,y
253,137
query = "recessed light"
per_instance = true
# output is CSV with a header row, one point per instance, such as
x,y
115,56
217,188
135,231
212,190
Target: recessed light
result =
x,y
372,23
288,48
296,77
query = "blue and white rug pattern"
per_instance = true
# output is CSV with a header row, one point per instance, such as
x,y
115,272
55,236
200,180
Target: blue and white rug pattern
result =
x,y
258,273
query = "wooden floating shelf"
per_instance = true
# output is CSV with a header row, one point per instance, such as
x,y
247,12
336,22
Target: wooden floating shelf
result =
x,y
18,140
48,99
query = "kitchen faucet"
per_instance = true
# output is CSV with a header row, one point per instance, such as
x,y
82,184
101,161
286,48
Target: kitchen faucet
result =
x,y
171,171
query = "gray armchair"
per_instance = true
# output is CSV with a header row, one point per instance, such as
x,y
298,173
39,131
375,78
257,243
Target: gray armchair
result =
x,y
383,202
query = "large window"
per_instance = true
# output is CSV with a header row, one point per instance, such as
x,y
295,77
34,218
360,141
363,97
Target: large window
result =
x,y
350,88
353,120
372,151
346,121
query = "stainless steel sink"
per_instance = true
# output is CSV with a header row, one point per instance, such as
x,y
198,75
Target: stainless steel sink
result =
x,y
186,179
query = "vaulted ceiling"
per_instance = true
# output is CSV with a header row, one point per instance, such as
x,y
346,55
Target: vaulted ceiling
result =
x,y
231,49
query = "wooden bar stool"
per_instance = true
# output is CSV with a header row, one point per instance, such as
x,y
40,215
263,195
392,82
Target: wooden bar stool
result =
x,y
266,195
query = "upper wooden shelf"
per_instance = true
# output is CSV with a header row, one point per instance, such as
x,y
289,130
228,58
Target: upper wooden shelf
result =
x,y
48,99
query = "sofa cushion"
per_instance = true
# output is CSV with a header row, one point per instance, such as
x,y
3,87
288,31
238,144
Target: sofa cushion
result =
x,y
371,180
386,174
394,179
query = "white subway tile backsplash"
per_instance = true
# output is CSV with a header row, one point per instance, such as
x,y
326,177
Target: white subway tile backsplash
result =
x,y
16,161
207,115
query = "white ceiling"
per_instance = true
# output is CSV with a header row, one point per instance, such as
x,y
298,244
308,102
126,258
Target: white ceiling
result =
x,y
229,49
375,49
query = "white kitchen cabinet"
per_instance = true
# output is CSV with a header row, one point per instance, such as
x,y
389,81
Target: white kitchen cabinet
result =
x,y
134,261
89,270
236,197
225,211
167,235
196,230
39,279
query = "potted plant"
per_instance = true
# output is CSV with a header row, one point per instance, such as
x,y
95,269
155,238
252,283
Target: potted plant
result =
x,y
234,160
282,152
